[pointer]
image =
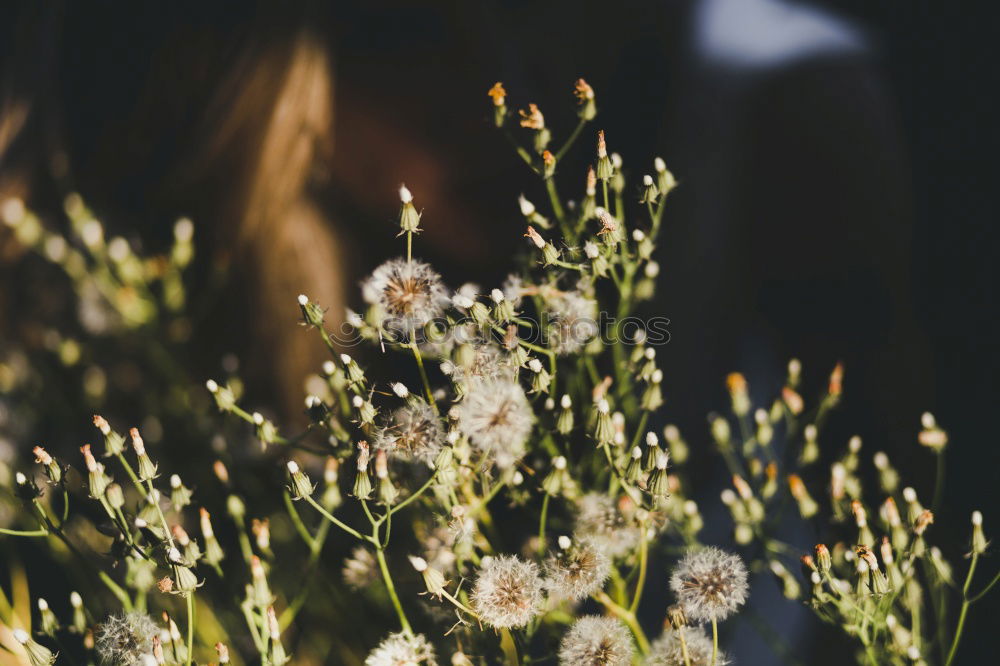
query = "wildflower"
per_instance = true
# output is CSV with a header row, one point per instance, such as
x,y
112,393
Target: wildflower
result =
x,y
180,496
596,641
710,584
610,227
694,650
52,468
508,592
362,480
402,649
573,322
604,431
564,422
113,442
879,583
497,419
301,486
410,293
532,118
277,654
48,620
932,436
312,313
125,639
665,180
600,520
585,98
213,551
577,571
649,191
97,479
38,654
79,624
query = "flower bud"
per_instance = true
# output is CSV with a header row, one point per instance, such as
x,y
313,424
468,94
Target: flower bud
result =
x,y
823,559
52,468
604,167
979,542
312,313
213,551
38,654
301,486
665,180
147,470
180,496
433,579
223,652
585,99
807,505
499,96
97,480
362,480
557,476
113,442
116,498
604,431
409,218
676,617
386,491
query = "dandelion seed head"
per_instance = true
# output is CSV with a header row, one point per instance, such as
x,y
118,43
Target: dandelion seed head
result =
x,y
507,592
573,322
596,641
601,521
401,649
710,584
666,650
359,569
125,639
577,571
415,432
410,293
497,418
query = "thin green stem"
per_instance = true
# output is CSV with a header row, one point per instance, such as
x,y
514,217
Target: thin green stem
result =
x,y
684,646
715,641
387,577
300,526
420,491
571,139
541,525
336,521
627,617
986,589
643,562
423,373
24,533
190,628
964,611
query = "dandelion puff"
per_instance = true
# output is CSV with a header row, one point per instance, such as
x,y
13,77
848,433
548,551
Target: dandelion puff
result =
x,y
497,418
667,650
596,641
576,572
486,363
573,322
126,639
402,650
416,432
410,293
508,592
710,584
601,522
359,568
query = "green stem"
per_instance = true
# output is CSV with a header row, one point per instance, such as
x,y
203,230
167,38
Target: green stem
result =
x,y
715,641
190,628
643,561
627,617
684,646
24,533
423,373
387,577
550,188
571,140
541,525
336,521
986,589
964,611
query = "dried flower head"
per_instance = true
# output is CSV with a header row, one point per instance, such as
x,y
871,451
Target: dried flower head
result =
x,y
601,521
710,584
532,118
498,94
360,569
596,641
497,418
415,432
125,639
576,572
402,650
508,592
668,651
573,322
410,293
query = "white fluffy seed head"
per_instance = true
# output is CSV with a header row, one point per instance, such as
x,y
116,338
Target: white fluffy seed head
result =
x,y
535,365
647,180
657,376
507,592
566,402
591,250
659,165
293,467
405,195
400,389
75,600
303,299
175,481
977,518
564,542
652,439
497,296
419,563
928,421
20,479
668,651
212,386
909,494
43,605
602,406
710,584
596,641
497,418
636,452
578,570
402,650
21,636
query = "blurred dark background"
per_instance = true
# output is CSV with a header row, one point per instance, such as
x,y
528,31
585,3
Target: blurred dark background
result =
x,y
836,160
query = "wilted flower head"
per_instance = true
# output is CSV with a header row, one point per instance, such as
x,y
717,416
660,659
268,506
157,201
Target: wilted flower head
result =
x,y
667,651
497,418
410,293
359,569
596,641
415,432
402,650
600,520
125,639
710,584
573,322
576,572
508,592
